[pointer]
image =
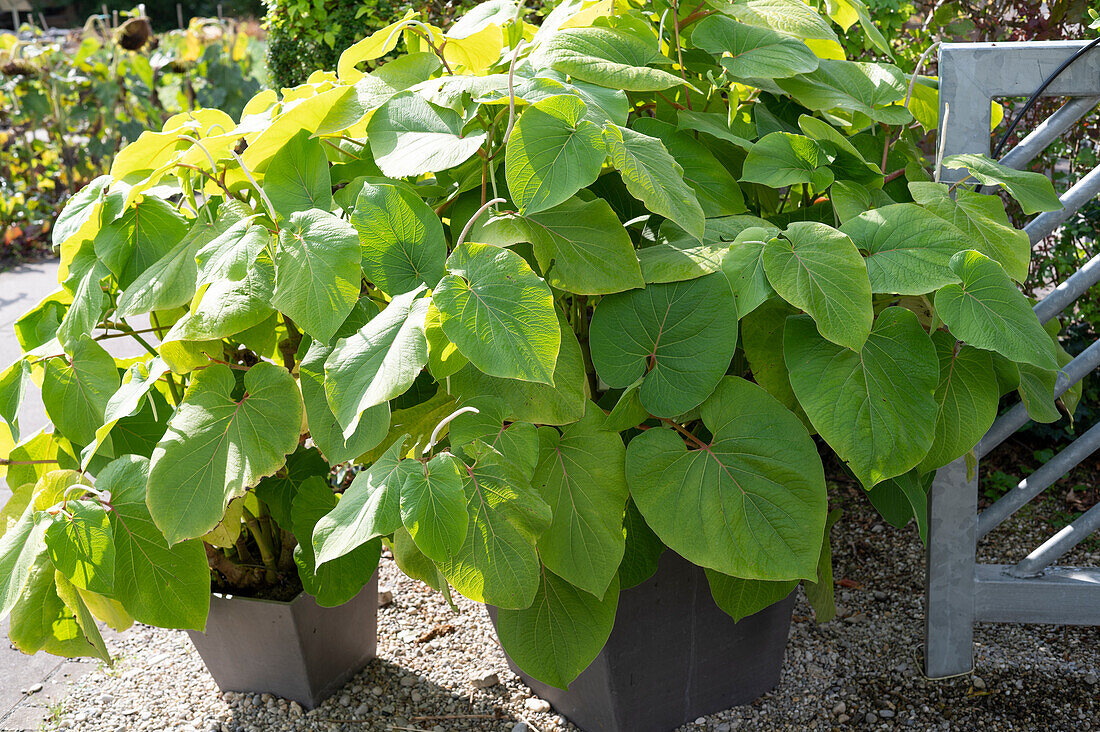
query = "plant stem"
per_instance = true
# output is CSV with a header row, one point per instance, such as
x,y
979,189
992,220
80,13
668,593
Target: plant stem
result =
x,y
679,51
263,543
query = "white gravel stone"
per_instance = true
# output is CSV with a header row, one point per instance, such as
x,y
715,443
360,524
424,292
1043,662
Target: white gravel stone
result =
x,y
829,665
534,704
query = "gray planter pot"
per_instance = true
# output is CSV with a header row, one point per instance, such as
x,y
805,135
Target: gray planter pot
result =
x,y
297,650
673,656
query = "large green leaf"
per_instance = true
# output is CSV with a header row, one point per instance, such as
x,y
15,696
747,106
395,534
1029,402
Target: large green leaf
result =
x,y
714,186
983,220
819,593
298,178
967,397
324,428
875,407
41,621
158,583
1033,190
499,313
230,254
743,265
986,310
226,307
217,446
317,271
740,598
654,177
680,256
866,88
378,362
336,582
679,336
581,474
643,549
581,246
750,52
819,270
20,545
368,509
79,212
527,401
13,382
561,633
85,281
140,237
615,58
433,506
553,153
751,503
76,394
171,280
517,443
410,136
75,601
498,564
847,161
908,248
782,159
401,238
788,16
81,545
762,341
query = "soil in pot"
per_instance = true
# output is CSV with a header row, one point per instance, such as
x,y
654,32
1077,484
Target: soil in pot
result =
x,y
297,650
672,657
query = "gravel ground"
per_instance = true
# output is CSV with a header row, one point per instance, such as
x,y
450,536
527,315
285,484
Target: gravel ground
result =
x,y
859,671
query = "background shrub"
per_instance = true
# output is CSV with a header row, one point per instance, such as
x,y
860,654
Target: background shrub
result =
x,y
307,35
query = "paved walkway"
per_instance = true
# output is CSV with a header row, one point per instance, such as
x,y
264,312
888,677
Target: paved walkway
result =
x,y
20,289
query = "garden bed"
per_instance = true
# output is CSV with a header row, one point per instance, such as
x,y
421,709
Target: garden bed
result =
x,y
866,662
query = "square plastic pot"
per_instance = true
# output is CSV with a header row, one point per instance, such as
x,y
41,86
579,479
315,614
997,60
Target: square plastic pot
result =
x,y
297,650
673,656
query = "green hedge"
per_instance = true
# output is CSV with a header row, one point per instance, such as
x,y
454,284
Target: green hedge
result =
x,y
307,35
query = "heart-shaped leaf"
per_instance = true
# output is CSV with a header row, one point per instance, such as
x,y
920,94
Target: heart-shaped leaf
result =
x,y
751,503
298,178
986,310
751,52
562,631
908,248
317,272
410,136
160,584
217,446
875,406
401,238
581,474
819,270
499,313
654,177
782,159
379,361
553,153
682,336
433,506
967,396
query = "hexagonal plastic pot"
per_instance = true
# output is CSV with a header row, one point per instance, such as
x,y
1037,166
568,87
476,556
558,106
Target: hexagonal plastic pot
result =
x,y
673,656
297,650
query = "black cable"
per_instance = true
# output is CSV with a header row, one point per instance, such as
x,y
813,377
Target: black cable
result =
x,y
1035,96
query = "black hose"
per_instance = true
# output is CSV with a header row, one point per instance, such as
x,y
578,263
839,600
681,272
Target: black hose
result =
x,y
1035,96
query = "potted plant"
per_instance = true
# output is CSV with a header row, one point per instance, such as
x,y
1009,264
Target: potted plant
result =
x,y
564,298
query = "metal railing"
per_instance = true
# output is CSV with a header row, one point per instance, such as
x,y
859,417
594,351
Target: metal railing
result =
x,y
960,592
